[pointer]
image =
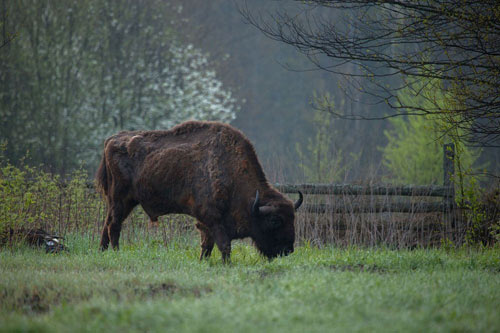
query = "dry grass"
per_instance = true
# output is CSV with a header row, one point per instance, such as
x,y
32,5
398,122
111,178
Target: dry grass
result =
x,y
376,224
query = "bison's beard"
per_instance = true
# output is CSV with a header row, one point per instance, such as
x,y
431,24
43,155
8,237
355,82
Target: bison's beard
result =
x,y
272,249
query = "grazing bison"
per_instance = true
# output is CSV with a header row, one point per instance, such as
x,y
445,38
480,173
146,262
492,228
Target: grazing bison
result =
x,y
208,170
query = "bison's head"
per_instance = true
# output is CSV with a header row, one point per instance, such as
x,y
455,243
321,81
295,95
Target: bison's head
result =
x,y
273,225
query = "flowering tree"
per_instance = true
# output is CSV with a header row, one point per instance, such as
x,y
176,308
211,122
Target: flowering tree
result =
x,y
81,70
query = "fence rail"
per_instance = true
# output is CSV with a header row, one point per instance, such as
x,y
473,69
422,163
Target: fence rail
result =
x,y
370,206
347,189
395,207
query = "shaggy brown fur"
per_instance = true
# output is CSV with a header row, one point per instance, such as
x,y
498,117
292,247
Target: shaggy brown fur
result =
x,y
208,170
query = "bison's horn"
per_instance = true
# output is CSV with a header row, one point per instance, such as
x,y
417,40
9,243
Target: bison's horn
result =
x,y
255,206
299,202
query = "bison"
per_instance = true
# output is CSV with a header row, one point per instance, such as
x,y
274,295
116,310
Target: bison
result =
x,y
208,170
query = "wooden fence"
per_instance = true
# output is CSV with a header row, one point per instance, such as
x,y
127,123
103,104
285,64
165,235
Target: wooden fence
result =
x,y
403,216
446,192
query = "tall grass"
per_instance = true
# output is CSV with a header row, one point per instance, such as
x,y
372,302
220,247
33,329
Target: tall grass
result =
x,y
368,220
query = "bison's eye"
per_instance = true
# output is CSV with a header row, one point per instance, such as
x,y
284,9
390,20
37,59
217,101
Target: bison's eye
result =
x,y
275,221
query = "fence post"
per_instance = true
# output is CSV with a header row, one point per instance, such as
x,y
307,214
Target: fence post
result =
x,y
448,174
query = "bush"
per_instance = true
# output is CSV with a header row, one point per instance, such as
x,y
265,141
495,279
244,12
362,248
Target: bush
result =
x,y
482,215
33,199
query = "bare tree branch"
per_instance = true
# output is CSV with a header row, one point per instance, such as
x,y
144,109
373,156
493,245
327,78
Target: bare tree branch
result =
x,y
394,44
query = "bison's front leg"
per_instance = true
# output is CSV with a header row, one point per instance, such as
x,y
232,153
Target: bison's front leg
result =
x,y
223,243
153,223
207,241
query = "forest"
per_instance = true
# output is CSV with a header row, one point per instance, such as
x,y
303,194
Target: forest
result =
x,y
378,120
75,73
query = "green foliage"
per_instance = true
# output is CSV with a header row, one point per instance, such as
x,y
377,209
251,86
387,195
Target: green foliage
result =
x,y
14,200
33,198
322,160
165,288
411,155
21,190
414,152
481,212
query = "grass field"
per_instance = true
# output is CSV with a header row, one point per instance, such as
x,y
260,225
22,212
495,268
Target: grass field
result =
x,y
150,287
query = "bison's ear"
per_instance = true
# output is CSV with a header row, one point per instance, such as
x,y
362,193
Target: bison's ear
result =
x,y
258,210
266,210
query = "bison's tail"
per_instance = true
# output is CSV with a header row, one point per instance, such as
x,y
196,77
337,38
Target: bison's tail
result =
x,y
101,178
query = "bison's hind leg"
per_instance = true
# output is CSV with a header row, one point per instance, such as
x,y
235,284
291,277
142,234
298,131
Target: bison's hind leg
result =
x,y
105,232
117,213
207,241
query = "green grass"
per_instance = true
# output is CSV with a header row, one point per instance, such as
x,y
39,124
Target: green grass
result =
x,y
156,288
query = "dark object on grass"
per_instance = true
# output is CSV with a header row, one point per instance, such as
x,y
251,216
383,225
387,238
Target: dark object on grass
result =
x,y
38,238
53,245
208,170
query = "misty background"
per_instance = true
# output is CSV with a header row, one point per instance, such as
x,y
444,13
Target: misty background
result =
x,y
76,72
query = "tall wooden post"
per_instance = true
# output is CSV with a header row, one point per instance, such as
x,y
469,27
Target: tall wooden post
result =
x,y
448,175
